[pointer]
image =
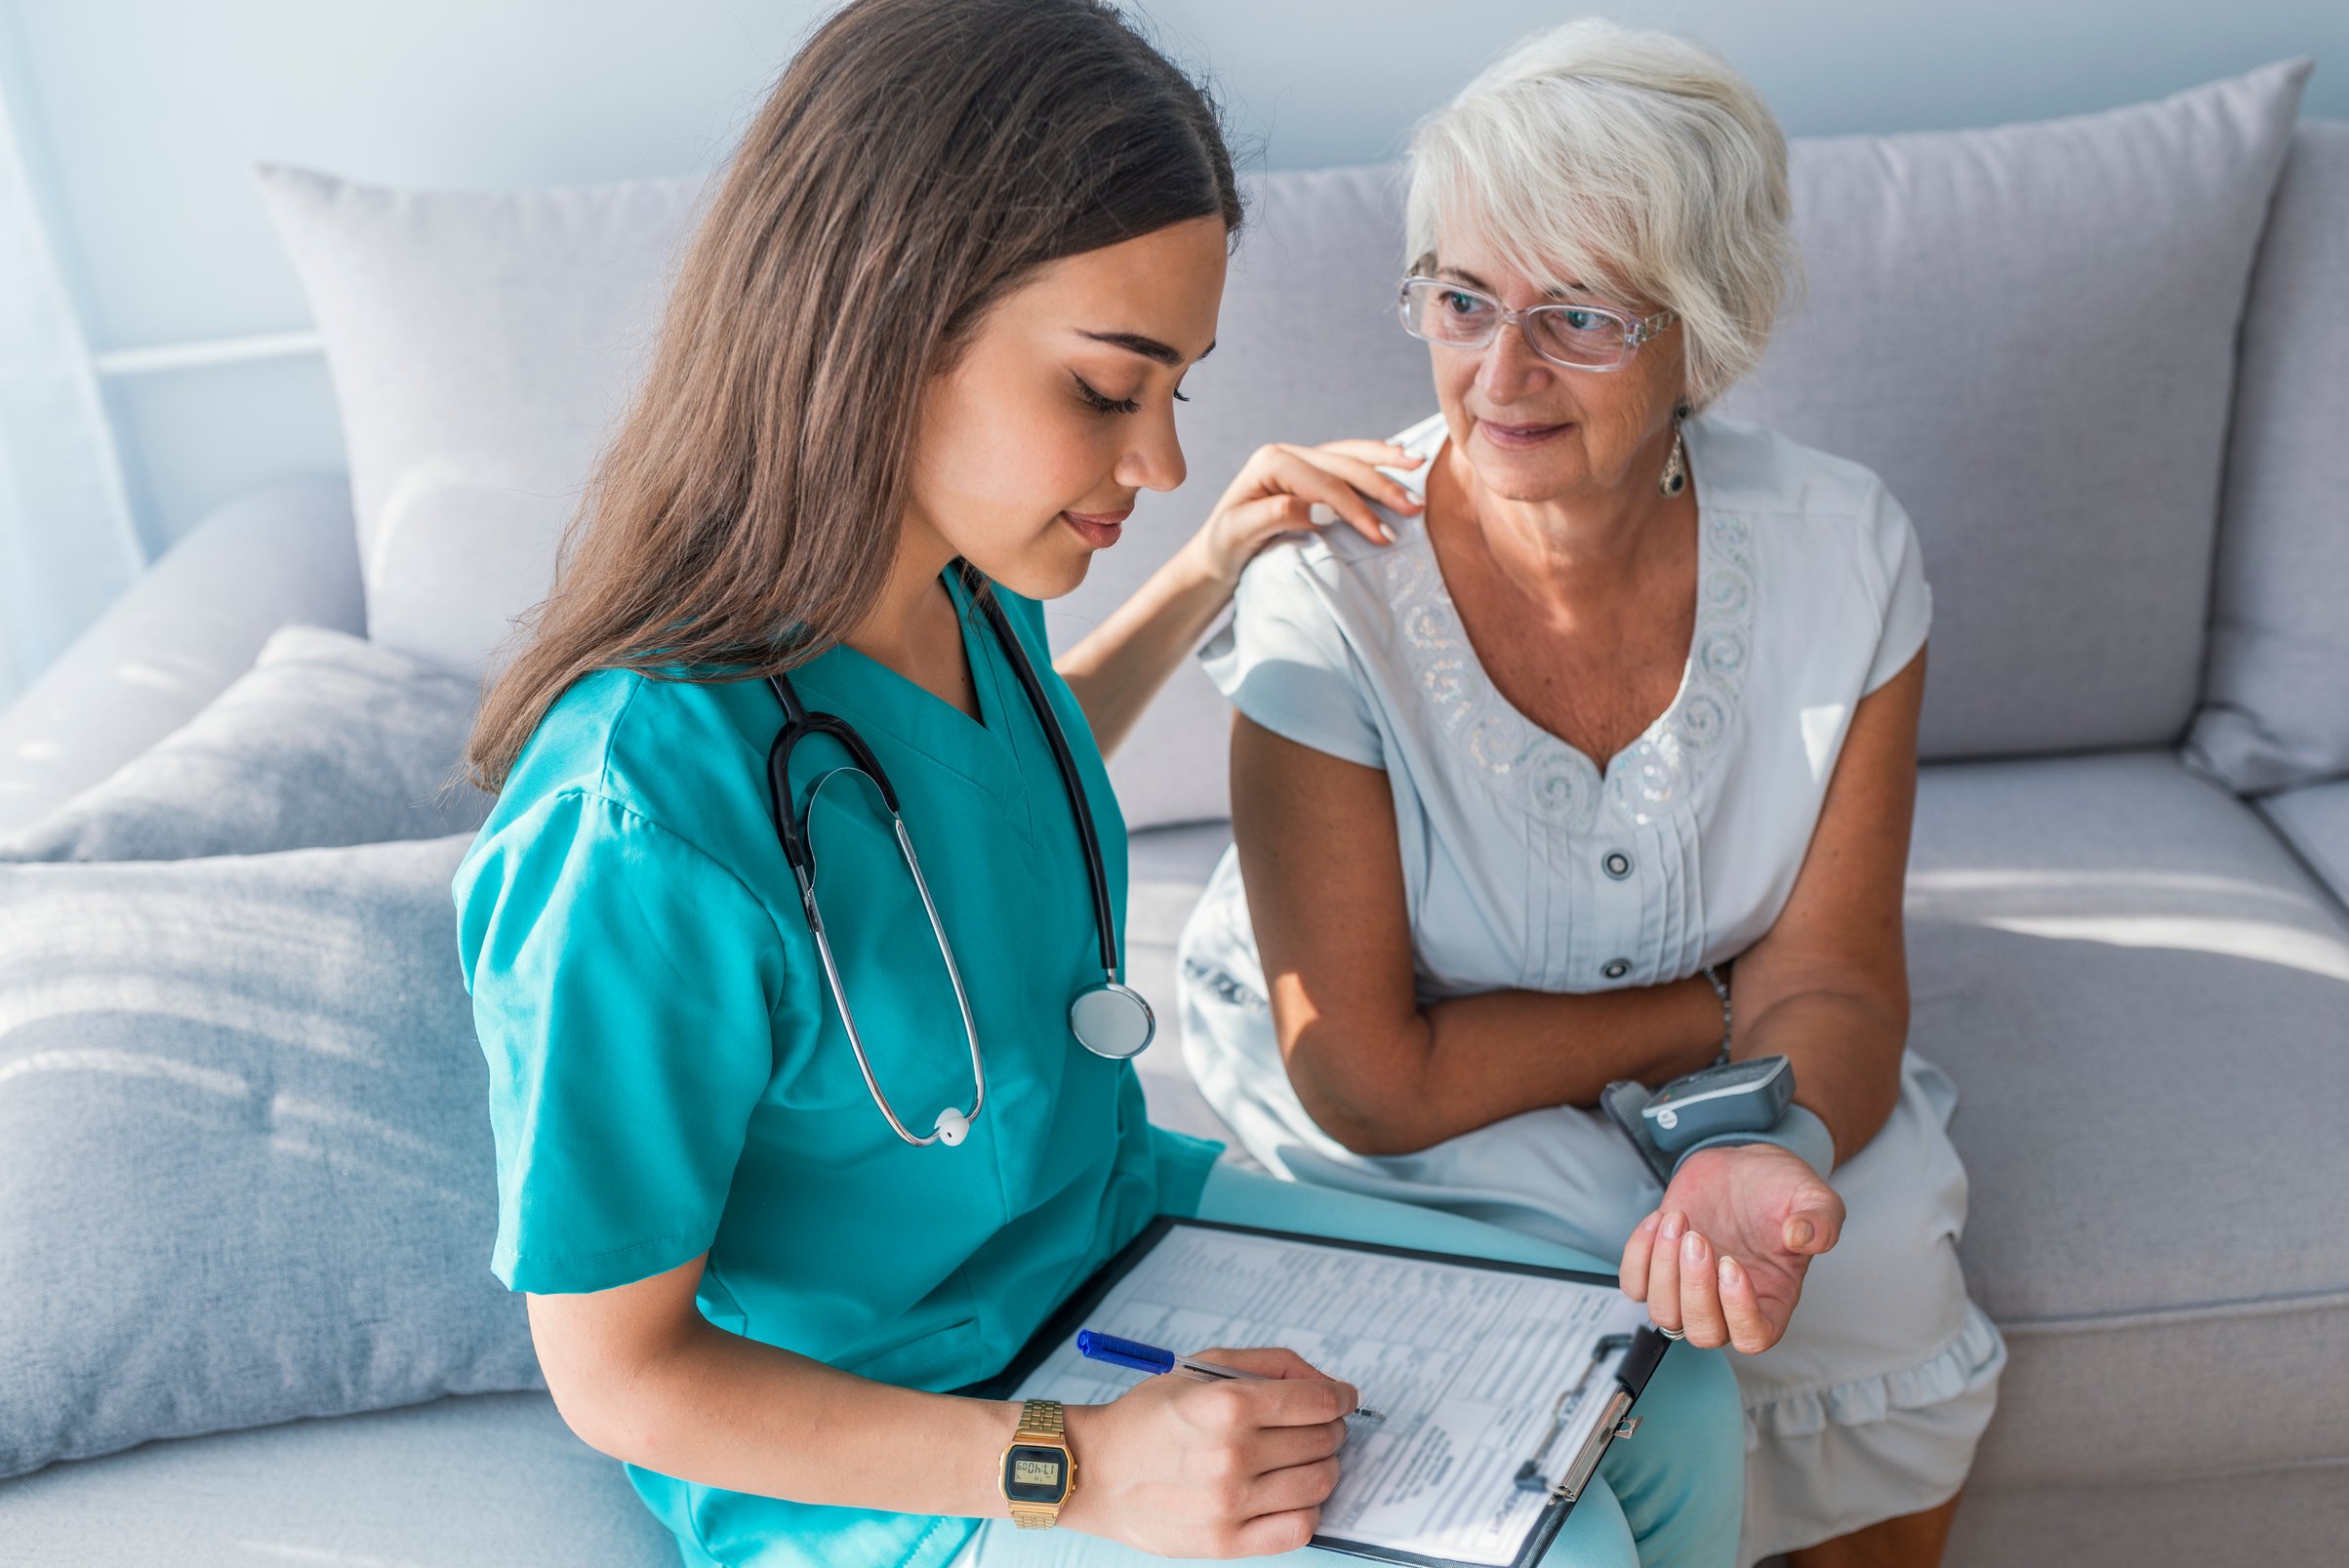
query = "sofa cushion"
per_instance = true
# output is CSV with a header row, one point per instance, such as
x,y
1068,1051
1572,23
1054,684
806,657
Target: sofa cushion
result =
x,y
244,1158
2145,1000
2277,714
489,1478
278,554
2029,332
328,740
2315,820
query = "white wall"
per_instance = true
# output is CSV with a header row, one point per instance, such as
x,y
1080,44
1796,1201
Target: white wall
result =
x,y
142,116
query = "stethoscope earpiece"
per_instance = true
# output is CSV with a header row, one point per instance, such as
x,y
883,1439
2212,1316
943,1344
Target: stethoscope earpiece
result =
x,y
953,1127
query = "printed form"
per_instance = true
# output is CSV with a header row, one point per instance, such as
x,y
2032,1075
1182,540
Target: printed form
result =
x,y
1471,1367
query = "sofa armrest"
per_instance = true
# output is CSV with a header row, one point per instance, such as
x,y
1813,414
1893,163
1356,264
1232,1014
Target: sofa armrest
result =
x,y
280,555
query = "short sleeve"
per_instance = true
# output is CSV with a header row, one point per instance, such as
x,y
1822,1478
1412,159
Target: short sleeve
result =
x,y
1284,661
622,988
1907,599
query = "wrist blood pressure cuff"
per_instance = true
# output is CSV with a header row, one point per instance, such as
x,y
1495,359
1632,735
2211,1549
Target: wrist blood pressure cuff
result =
x,y
1797,1128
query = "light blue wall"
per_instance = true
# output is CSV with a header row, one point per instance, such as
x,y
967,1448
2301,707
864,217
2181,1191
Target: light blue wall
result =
x,y
144,116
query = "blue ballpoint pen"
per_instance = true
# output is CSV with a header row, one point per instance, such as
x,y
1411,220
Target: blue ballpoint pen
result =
x,y
1130,1353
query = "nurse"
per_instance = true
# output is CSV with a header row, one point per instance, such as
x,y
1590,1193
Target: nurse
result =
x,y
921,356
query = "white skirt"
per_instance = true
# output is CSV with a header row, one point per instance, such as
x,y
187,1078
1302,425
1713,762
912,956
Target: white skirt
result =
x,y
1871,1406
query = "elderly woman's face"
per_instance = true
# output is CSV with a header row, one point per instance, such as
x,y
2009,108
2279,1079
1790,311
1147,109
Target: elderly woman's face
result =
x,y
1532,430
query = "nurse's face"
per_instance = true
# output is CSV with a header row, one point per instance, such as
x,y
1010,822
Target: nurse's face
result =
x,y
1061,410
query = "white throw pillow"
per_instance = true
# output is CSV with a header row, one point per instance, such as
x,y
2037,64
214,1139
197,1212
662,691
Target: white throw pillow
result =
x,y
327,741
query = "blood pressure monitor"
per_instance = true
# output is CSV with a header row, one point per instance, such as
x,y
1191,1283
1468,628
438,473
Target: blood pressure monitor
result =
x,y
1737,1101
1740,1097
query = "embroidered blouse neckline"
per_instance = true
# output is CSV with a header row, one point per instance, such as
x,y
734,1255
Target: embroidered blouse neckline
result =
x,y
1657,772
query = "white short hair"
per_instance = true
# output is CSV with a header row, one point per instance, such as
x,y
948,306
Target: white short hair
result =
x,y
1636,164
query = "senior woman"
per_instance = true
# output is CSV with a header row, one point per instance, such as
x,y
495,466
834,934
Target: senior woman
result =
x,y
1631,693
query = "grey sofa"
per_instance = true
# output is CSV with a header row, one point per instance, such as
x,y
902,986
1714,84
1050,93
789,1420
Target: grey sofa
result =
x,y
2127,936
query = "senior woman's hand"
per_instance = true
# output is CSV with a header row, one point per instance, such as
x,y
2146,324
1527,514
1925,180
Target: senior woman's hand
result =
x,y
1723,1255
1279,488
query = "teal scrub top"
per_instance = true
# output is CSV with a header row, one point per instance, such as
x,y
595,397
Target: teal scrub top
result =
x,y
669,1075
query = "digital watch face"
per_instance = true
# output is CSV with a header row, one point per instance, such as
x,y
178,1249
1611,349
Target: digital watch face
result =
x,y
1033,1474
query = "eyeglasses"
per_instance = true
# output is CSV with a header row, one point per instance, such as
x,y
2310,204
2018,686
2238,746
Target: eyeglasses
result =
x,y
1579,337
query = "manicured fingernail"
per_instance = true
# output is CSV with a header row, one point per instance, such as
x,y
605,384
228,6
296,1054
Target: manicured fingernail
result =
x,y
1693,1250
1798,1233
1674,1223
1321,513
1386,533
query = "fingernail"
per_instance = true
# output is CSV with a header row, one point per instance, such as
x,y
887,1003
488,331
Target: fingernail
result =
x,y
1693,1250
1321,511
1674,1223
1386,533
1798,1233
1648,1225
1730,1272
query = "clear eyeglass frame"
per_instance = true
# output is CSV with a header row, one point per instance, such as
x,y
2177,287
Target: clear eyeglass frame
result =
x,y
1418,291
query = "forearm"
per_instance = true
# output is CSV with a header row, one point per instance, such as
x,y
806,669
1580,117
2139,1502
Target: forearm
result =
x,y
1122,662
1845,1047
730,1411
1457,1065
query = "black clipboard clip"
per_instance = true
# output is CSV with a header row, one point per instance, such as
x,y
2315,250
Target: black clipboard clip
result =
x,y
1646,1348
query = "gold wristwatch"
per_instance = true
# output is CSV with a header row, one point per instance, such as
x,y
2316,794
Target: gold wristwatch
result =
x,y
1038,1470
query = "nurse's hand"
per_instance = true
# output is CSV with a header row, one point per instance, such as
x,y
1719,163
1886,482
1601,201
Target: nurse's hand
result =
x,y
1277,489
1211,1470
1723,1255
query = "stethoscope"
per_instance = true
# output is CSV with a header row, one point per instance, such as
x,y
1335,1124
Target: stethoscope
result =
x,y
1110,1018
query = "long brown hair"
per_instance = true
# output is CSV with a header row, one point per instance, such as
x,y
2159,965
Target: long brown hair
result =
x,y
916,161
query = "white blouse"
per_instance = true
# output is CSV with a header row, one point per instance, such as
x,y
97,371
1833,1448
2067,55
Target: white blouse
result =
x,y
1525,864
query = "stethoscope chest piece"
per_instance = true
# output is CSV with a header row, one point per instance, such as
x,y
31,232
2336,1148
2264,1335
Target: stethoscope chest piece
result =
x,y
1113,1021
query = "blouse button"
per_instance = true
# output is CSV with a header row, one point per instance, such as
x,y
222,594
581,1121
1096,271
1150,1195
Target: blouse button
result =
x,y
1618,865
1616,968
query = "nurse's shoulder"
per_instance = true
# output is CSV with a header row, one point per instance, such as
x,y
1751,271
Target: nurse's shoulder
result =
x,y
688,758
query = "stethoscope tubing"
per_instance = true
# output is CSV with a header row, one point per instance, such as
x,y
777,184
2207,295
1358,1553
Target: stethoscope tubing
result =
x,y
839,989
801,723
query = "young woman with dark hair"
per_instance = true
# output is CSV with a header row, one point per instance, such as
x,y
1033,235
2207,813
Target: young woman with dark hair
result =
x,y
792,844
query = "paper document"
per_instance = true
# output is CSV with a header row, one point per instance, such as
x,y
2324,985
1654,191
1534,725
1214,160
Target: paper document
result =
x,y
1472,1368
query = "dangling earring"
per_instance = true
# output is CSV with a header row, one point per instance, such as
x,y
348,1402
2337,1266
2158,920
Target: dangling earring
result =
x,y
1675,467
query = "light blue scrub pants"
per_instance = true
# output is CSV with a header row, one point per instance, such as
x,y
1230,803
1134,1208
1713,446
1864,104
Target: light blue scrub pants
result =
x,y
1670,1498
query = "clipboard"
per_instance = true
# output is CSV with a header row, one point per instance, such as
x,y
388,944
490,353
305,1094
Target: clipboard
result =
x,y
1561,1447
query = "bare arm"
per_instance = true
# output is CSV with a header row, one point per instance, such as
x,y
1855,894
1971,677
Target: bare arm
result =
x,y
1380,1074
641,1374
1175,1468
1122,662
1827,986
1724,1254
